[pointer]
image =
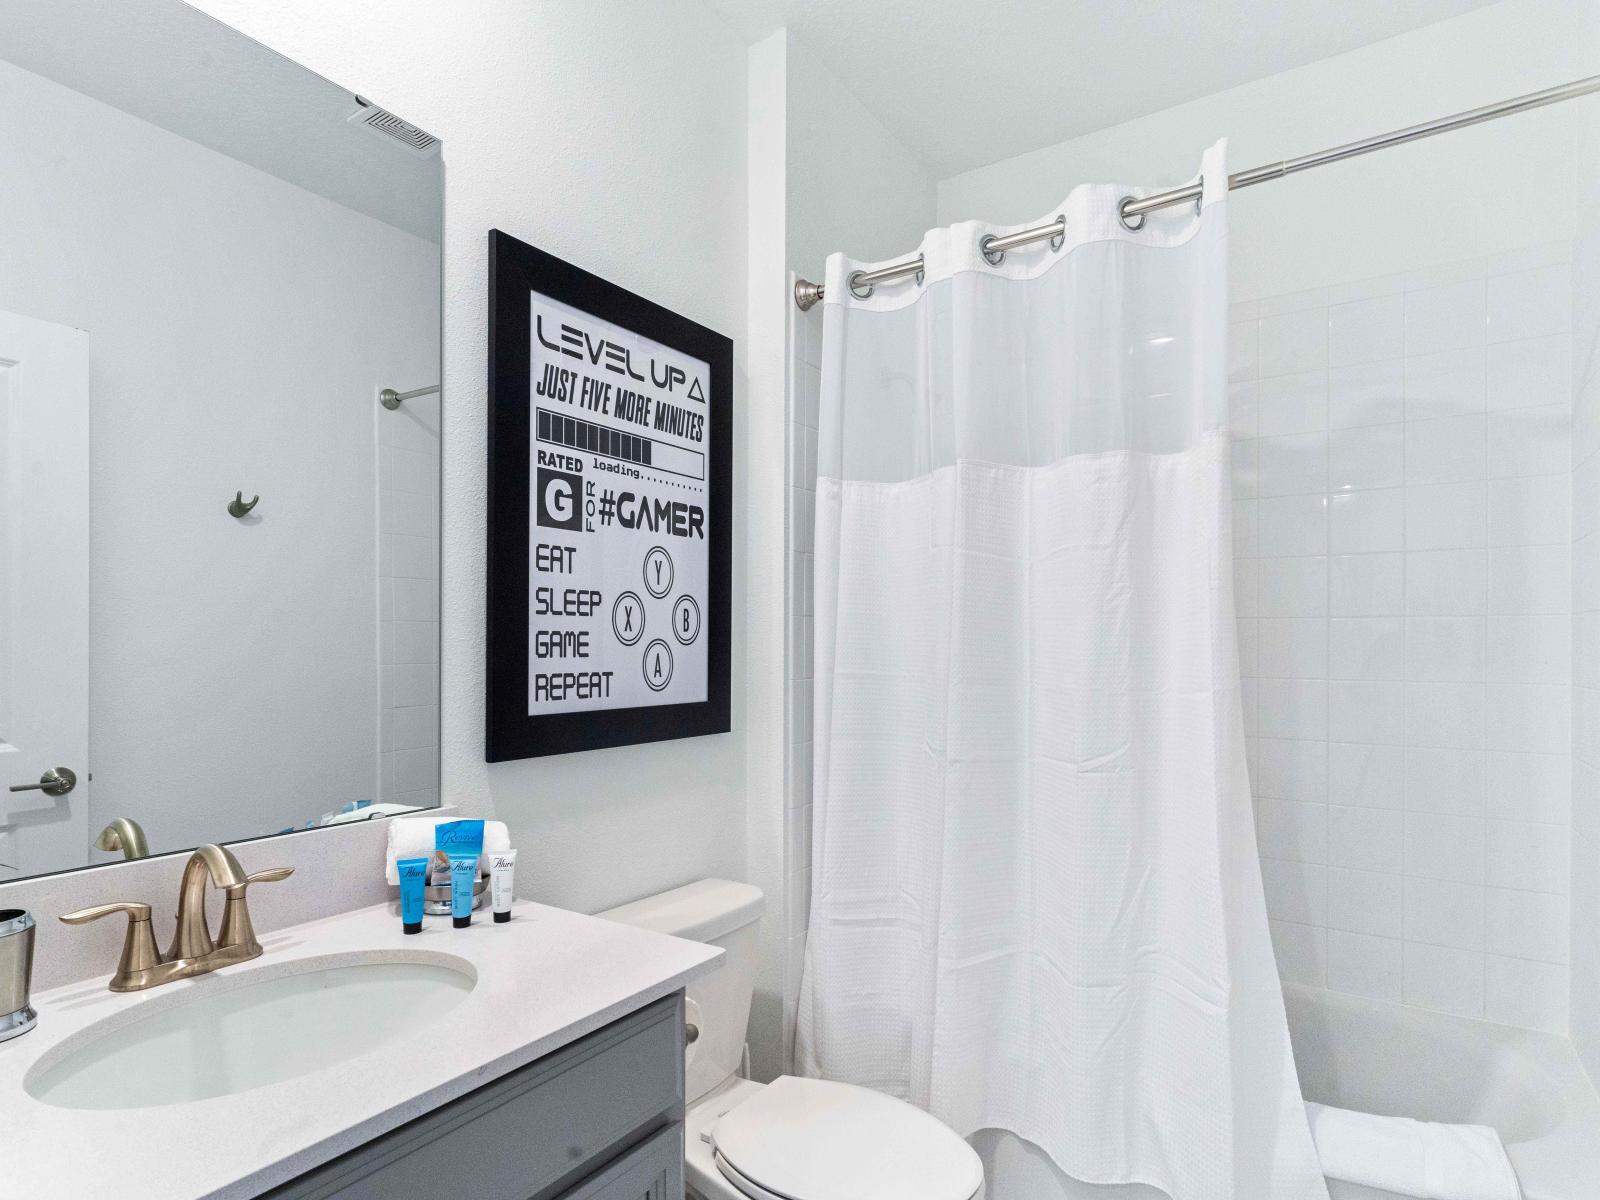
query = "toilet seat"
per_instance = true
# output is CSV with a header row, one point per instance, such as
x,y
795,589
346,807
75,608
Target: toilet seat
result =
x,y
813,1139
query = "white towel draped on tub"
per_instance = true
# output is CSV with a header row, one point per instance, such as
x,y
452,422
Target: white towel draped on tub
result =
x,y
1414,1158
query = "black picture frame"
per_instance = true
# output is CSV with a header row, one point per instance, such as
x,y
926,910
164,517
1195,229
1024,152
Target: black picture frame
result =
x,y
516,270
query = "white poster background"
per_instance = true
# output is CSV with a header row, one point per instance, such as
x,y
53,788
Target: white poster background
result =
x,y
619,516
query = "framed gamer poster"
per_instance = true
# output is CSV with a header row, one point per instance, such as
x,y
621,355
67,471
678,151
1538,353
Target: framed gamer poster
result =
x,y
610,494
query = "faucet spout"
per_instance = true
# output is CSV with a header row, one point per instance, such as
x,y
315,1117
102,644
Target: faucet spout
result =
x,y
214,864
222,866
124,834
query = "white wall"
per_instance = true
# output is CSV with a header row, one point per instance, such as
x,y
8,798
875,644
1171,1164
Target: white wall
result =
x,y
851,185
768,321
1497,187
613,136
1586,611
238,328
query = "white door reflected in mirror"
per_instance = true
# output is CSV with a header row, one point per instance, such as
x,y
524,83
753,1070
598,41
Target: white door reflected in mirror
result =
x,y
44,593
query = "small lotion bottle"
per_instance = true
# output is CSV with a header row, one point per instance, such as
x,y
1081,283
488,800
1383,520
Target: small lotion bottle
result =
x,y
502,866
413,878
463,875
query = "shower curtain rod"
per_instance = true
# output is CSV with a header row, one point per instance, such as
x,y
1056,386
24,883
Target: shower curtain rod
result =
x,y
808,294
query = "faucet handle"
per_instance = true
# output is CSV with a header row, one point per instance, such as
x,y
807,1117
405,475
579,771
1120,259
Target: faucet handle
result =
x,y
237,929
136,911
139,953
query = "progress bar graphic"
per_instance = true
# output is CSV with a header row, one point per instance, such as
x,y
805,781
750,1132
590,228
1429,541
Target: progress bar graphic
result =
x,y
560,430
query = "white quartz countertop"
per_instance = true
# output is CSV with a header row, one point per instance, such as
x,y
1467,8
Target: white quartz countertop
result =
x,y
545,978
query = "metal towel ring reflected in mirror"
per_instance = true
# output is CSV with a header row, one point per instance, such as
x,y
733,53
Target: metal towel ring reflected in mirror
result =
x,y
240,507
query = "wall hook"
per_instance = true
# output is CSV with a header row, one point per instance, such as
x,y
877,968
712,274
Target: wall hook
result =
x,y
239,506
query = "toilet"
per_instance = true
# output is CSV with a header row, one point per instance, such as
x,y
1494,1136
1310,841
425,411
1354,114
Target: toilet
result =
x,y
791,1139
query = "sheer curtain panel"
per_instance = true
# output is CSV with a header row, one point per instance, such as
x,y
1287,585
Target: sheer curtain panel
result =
x,y
1036,902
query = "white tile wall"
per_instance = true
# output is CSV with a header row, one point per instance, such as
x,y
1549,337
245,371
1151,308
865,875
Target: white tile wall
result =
x,y
1401,502
408,602
803,391
1584,862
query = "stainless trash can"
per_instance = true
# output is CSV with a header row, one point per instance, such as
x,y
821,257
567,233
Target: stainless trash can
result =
x,y
16,972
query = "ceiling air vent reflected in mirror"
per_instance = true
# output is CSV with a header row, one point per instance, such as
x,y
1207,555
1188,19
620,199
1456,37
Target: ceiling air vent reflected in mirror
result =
x,y
386,125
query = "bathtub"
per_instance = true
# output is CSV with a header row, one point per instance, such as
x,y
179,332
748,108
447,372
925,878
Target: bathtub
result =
x,y
1384,1058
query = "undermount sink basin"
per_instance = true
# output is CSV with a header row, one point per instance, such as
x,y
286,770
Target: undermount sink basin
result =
x,y
230,1033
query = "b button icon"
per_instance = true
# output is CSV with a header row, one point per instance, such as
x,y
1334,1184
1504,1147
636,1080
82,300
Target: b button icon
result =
x,y
685,620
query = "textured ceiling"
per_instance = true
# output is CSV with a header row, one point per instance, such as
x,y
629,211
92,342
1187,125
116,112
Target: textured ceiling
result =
x,y
966,84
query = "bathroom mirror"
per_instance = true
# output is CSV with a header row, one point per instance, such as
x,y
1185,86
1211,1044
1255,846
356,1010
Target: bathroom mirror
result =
x,y
219,546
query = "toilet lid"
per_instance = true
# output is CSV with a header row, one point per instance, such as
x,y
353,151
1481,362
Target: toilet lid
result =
x,y
811,1139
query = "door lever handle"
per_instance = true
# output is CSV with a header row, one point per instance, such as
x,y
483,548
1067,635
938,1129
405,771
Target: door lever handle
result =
x,y
57,781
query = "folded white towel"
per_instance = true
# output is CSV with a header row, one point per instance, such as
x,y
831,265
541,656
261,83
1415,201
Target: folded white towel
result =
x,y
370,812
1414,1158
412,837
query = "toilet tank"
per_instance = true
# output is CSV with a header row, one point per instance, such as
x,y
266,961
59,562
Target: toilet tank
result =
x,y
722,913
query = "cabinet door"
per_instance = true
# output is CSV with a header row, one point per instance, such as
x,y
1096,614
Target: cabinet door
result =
x,y
573,1115
651,1171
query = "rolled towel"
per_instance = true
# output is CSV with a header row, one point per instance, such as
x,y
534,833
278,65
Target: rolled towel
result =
x,y
367,812
1414,1158
412,837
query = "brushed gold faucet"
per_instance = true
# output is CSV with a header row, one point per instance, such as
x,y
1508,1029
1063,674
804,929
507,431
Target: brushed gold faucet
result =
x,y
124,834
192,952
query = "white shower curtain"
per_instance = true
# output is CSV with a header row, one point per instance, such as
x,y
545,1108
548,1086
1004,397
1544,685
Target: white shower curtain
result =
x,y
1036,901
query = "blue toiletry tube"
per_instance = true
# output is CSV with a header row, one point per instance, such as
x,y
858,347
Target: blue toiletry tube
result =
x,y
463,875
454,837
413,878
457,837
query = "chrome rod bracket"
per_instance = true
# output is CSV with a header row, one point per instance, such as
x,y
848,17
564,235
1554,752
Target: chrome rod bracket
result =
x,y
392,399
807,295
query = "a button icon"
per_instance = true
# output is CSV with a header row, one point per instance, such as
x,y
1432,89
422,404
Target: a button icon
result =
x,y
657,665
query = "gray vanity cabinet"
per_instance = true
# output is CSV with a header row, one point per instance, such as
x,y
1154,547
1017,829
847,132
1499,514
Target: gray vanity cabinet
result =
x,y
600,1119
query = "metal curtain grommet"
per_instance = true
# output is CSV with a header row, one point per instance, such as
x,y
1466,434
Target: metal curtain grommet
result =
x,y
993,257
1060,239
855,286
1122,215
921,275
